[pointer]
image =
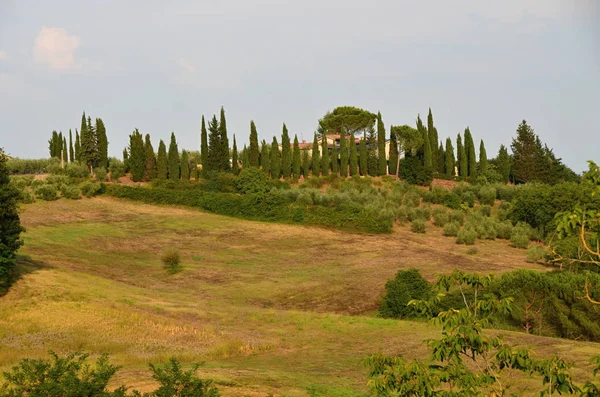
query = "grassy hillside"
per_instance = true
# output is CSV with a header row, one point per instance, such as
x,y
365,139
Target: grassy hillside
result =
x,y
270,308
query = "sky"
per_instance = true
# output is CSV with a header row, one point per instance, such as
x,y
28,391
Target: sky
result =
x,y
159,66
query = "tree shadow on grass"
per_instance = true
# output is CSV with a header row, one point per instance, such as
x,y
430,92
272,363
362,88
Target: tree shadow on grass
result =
x,y
25,265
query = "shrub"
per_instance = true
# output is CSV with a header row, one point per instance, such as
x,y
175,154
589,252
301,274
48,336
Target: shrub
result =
x,y
423,213
223,182
100,173
21,181
418,226
487,195
252,181
29,166
90,189
504,230
440,218
315,182
519,238
46,192
537,252
304,198
77,170
468,198
485,210
466,236
116,169
405,214
412,199
406,286
506,192
57,180
457,216
451,229
27,197
413,172
486,228
452,200
473,251
71,192
171,261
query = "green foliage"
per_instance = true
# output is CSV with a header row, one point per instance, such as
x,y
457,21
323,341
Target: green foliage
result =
x,y
466,236
399,291
185,166
46,192
137,156
223,149
485,210
316,157
483,161
423,213
537,253
89,143
254,153
265,159
352,156
363,157
235,166
334,160
102,144
71,192
346,119
171,261
418,226
451,229
252,181
286,153
305,163
503,162
100,174
76,170
463,164
173,160
90,189
414,173
449,158
296,159
432,135
174,382
162,162
468,198
440,218
325,162
275,160
203,146
519,238
29,166
116,169
151,166
487,195
382,168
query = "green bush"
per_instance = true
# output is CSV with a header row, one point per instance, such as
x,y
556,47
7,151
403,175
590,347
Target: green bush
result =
x,y
223,182
451,229
452,200
413,172
406,286
485,210
30,166
116,169
171,261
46,192
537,252
57,180
468,198
466,236
90,189
457,216
440,218
418,226
504,230
252,181
21,181
100,173
423,213
506,192
519,239
71,192
473,251
487,195
77,170
27,197
405,214
412,199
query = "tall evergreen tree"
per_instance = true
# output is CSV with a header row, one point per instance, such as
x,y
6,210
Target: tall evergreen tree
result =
x,y
353,156
296,162
137,156
77,146
10,226
71,150
393,153
275,160
64,150
427,151
195,175
433,141
214,161
235,166
527,152
424,138
88,143
245,157
334,159
162,163
93,134
343,155
286,153
441,159
305,163
173,159
265,160
483,161
316,157
203,145
102,144
372,146
151,170
325,163
185,166
126,160
363,162
52,144
503,163
382,168
463,166
224,157
449,157
471,156
254,153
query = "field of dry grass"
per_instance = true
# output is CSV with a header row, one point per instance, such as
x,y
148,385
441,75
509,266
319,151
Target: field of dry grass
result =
x,y
270,308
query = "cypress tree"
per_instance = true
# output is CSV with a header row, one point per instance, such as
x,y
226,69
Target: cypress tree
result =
x,y
195,175
316,160
137,156
52,144
10,226
245,157
77,146
151,168
343,155
93,134
483,161
363,161
71,150
235,167
264,158
325,155
425,138
433,141
503,163
296,163
64,150
162,163
334,159
353,159
102,144
254,153
463,167
185,166
214,161
275,160
173,159
224,164
382,169
470,151
441,159
286,155
87,143
449,157
427,152
126,160
372,161
203,146
393,153
305,163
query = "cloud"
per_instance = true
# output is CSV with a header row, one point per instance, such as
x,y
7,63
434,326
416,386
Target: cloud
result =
x,y
186,65
3,56
56,48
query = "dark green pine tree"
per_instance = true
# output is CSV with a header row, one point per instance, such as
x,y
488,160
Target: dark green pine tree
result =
x,y
427,152
224,164
334,159
316,157
527,155
173,159
286,153
441,159
296,159
71,150
463,165
305,163
151,170
424,138
52,144
471,157
393,153
185,166
102,144
137,156
254,154
503,163
245,157
194,174
94,139
203,146
275,160
10,226
363,157
64,151
214,161
343,155
325,163
88,146
382,169
353,155
265,160
77,146
483,161
449,157
126,160
162,163
235,166
433,141
372,161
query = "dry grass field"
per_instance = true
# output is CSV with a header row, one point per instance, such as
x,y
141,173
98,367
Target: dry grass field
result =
x,y
269,308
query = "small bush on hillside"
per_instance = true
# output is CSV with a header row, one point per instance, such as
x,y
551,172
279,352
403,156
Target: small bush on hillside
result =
x,y
252,181
304,198
171,261
423,213
71,192
473,251
57,180
77,170
27,197
485,210
468,198
37,183
502,215
90,189
315,182
504,230
413,172
466,236
457,216
412,199
452,200
222,182
440,218
405,214
537,252
100,174
519,239
46,192
406,286
116,169
54,167
451,229
28,166
418,226
506,192
487,195
21,181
